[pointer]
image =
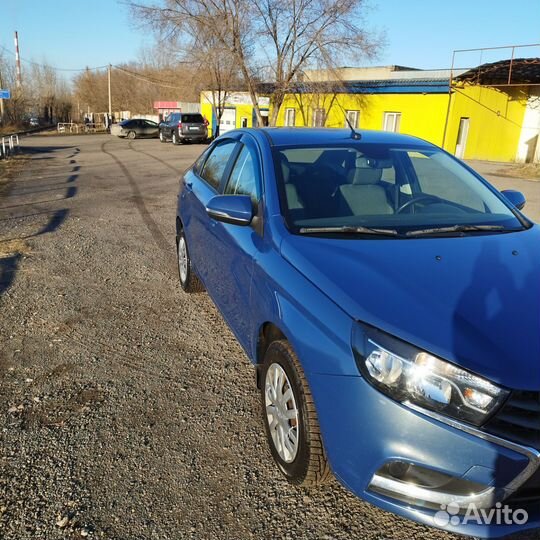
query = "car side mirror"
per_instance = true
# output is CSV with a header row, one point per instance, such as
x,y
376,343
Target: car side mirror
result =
x,y
515,197
233,209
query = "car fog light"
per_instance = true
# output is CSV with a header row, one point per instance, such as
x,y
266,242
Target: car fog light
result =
x,y
418,485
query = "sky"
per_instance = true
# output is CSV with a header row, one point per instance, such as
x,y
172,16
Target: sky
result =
x,y
73,34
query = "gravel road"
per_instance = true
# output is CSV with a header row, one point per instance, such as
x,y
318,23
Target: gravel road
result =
x,y
127,409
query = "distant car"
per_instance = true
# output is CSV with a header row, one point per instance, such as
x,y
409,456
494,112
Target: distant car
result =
x,y
388,296
136,128
183,127
33,122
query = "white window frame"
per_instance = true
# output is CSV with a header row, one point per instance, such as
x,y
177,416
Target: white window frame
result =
x,y
354,118
392,121
319,111
290,112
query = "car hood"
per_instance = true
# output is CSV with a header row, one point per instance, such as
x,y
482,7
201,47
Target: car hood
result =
x,y
473,300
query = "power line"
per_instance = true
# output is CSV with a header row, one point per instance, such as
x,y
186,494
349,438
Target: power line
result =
x,y
26,61
147,79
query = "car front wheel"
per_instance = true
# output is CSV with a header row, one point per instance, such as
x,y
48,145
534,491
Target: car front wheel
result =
x,y
189,282
131,135
290,419
162,137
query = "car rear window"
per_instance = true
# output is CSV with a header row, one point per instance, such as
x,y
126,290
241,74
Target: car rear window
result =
x,y
192,119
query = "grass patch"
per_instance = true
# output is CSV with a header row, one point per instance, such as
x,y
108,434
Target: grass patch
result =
x,y
12,247
9,168
528,171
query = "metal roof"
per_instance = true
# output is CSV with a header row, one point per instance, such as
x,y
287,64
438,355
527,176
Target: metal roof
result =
x,y
385,86
514,71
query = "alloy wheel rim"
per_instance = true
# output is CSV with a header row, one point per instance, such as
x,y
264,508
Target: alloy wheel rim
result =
x,y
182,259
281,413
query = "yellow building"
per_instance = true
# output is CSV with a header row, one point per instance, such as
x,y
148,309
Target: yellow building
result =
x,y
238,110
480,116
491,112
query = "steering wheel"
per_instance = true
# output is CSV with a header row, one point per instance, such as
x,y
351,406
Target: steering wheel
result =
x,y
417,199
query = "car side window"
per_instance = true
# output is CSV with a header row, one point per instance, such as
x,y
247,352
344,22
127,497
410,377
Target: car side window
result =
x,y
244,179
217,161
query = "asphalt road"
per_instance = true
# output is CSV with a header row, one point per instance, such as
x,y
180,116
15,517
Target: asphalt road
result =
x,y
127,409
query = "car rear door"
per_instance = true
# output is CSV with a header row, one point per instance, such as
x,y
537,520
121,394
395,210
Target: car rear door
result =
x,y
233,247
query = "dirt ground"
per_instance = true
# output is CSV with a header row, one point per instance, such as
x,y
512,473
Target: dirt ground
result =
x,y
127,408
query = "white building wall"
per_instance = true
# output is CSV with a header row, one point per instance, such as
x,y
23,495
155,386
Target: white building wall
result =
x,y
529,140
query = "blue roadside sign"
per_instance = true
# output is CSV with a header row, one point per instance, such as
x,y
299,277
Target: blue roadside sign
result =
x,y
5,94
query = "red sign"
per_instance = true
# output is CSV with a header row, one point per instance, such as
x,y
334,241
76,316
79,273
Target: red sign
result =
x,y
167,105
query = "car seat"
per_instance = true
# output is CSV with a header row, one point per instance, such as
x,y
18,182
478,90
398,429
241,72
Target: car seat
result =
x,y
364,195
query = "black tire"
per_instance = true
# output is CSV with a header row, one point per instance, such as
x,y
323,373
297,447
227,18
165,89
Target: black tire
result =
x,y
174,138
189,281
131,135
310,466
162,137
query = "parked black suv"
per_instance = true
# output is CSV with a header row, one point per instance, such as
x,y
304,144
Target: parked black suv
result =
x,y
182,127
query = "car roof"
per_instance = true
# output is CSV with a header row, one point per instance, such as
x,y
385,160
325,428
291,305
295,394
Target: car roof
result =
x,y
285,136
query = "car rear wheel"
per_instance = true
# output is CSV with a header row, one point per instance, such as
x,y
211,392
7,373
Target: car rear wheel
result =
x,y
162,137
189,282
290,419
131,135
174,138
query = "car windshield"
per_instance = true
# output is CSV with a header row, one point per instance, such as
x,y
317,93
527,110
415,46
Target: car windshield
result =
x,y
377,188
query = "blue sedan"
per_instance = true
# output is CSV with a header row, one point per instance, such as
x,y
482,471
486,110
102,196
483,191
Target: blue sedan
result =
x,y
389,298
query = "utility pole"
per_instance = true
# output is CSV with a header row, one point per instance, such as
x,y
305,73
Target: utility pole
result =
x,y
110,97
18,60
1,102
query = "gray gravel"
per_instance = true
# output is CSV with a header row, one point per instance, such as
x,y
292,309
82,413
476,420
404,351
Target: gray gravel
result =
x,y
127,409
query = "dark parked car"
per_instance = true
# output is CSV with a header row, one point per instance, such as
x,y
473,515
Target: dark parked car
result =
x,y
389,298
183,127
136,128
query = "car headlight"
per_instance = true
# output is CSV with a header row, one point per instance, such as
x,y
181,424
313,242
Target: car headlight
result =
x,y
410,375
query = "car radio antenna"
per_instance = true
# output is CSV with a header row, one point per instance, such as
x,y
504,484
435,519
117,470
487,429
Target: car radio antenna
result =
x,y
354,134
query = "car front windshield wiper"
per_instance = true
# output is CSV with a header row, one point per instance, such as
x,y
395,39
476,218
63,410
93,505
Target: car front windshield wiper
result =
x,y
348,230
459,229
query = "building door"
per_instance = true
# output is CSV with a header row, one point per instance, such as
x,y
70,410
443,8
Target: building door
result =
x,y
228,121
463,132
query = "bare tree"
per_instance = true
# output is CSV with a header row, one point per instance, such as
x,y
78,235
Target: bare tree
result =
x,y
218,72
277,37
15,107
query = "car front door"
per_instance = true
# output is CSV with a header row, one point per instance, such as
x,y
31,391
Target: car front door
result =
x,y
233,247
200,185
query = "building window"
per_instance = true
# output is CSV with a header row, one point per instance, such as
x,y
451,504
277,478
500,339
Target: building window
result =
x,y
319,117
353,117
392,120
290,117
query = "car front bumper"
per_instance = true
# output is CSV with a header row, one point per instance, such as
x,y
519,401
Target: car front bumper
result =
x,y
365,431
